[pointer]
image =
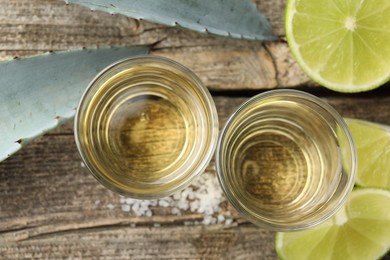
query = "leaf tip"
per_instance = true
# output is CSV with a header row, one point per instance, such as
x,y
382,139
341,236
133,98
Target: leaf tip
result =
x,y
253,5
282,40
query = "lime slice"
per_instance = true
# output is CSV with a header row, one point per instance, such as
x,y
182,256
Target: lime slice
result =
x,y
359,230
373,149
343,45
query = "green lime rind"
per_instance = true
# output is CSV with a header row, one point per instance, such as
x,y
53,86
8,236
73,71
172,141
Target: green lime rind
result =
x,y
347,46
360,230
372,143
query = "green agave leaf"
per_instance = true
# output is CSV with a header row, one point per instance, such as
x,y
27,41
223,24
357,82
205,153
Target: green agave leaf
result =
x,y
234,18
37,93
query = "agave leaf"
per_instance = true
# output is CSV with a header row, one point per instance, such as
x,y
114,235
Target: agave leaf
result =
x,y
37,93
235,18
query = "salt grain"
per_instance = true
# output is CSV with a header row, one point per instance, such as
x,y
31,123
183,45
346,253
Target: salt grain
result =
x,y
207,220
153,203
221,218
148,213
194,205
204,197
129,201
163,203
135,207
176,211
183,205
176,196
126,207
110,206
228,221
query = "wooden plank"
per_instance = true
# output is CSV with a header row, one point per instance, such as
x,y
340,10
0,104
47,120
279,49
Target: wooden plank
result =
x,y
50,206
125,242
29,28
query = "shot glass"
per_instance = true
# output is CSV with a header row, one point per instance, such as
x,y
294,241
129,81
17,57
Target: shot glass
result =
x,y
286,160
146,127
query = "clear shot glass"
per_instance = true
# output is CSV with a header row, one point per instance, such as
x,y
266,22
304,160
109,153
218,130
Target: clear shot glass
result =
x,y
146,127
286,160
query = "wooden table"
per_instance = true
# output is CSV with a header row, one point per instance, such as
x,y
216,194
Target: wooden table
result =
x,y
51,207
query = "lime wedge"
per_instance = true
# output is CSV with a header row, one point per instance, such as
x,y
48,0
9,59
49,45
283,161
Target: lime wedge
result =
x,y
373,149
343,45
359,230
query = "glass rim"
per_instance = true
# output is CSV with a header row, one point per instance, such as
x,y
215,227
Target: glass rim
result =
x,y
224,182
210,117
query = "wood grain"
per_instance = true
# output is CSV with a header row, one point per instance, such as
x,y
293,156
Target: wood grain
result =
x,y
124,242
51,207
29,28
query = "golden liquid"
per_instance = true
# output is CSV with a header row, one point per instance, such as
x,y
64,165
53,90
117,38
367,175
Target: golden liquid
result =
x,y
145,136
283,161
139,132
